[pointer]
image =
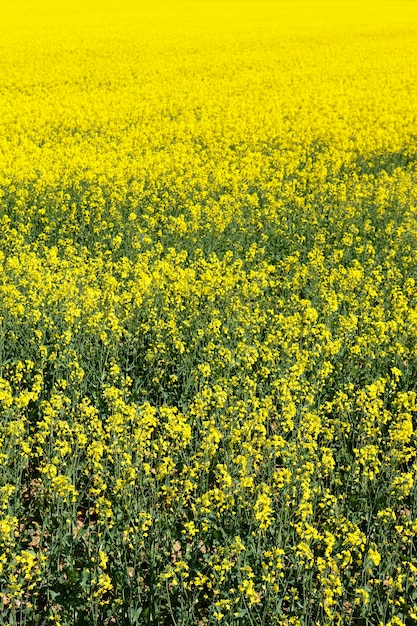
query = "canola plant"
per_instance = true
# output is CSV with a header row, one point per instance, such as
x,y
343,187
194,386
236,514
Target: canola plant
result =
x,y
208,308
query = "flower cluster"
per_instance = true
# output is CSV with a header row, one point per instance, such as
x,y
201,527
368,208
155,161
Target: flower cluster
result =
x,y
208,313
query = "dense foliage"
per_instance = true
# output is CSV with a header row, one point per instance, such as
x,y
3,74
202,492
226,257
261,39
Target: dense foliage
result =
x,y
208,307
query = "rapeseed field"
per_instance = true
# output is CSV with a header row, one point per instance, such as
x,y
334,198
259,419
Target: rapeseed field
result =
x,y
208,308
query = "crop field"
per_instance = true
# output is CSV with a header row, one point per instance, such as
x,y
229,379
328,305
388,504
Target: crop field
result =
x,y
208,313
